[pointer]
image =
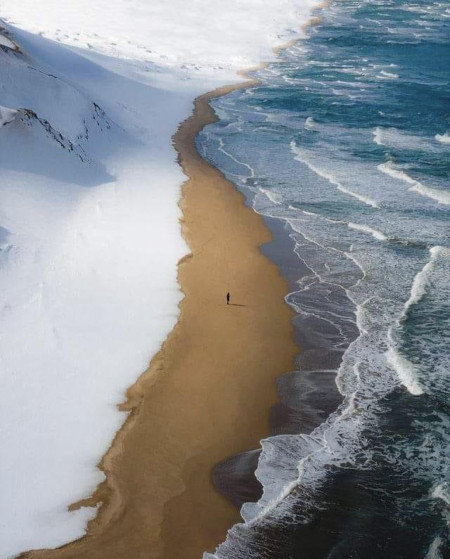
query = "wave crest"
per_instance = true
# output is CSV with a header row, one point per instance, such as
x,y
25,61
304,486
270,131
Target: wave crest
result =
x,y
440,196
443,138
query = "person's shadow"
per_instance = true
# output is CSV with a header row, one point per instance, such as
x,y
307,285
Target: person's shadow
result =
x,y
236,305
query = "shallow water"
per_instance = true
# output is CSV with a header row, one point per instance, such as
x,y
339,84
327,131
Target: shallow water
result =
x,y
345,144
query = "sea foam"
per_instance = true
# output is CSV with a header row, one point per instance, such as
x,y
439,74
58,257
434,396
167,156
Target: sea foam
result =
x,y
441,491
440,196
401,140
443,138
366,229
241,163
420,282
300,156
369,376
309,123
387,75
406,371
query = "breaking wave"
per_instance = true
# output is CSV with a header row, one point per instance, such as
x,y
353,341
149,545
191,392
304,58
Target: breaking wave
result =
x,y
440,196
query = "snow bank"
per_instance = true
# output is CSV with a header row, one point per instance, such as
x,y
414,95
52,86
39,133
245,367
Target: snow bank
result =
x,y
89,223
5,41
6,115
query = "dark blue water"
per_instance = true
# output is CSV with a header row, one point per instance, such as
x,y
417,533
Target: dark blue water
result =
x,y
345,143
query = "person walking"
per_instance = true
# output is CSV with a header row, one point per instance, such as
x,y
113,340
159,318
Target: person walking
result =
x,y
228,298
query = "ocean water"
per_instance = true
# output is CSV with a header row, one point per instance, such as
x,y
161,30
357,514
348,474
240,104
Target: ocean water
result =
x,y
344,147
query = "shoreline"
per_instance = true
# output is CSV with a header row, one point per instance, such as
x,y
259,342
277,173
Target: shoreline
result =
x,y
158,468
124,524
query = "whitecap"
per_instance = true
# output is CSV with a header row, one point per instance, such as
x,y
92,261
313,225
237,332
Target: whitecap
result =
x,y
299,156
441,491
434,551
392,137
377,136
305,212
360,197
366,229
406,371
389,169
421,280
309,123
274,197
443,138
351,407
387,75
440,196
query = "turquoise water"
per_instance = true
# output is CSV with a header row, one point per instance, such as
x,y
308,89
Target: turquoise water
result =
x,y
346,143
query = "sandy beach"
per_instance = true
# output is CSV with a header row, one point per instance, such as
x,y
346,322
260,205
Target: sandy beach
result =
x,y
207,394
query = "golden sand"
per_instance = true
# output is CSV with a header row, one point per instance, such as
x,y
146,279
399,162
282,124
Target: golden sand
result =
x,y
207,393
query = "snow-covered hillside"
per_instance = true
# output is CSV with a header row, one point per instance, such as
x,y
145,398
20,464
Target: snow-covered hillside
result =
x,y
90,95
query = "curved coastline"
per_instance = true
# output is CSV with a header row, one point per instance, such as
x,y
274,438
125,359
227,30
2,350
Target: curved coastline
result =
x,y
177,512
207,394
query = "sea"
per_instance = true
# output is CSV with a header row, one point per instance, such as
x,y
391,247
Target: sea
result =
x,y
344,148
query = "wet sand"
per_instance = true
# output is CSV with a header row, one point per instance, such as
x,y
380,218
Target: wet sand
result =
x,y
208,392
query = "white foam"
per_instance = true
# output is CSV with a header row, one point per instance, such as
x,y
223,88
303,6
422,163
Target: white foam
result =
x,y
406,371
366,229
351,407
309,123
300,156
389,169
275,197
440,196
421,280
434,551
395,138
377,136
228,154
441,491
388,75
443,138
365,199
